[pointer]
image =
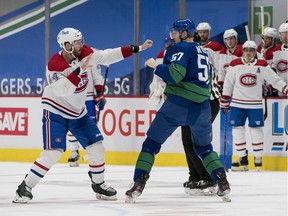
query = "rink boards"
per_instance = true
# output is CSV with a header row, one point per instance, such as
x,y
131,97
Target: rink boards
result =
x,y
124,123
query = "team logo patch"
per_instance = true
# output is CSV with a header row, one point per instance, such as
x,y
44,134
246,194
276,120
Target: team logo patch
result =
x,y
248,80
282,66
58,140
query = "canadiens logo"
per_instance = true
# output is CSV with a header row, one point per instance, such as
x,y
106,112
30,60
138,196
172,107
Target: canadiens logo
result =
x,y
248,80
282,66
82,84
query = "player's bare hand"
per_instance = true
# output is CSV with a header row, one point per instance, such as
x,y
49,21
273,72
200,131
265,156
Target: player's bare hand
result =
x,y
151,63
147,44
86,64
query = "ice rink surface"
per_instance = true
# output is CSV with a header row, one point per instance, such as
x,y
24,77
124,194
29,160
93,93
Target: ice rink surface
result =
x,y
66,191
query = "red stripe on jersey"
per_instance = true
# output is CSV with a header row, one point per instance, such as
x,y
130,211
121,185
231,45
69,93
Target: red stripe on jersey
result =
x,y
74,79
47,138
41,166
278,47
126,51
240,144
236,62
57,63
96,166
161,54
257,144
71,111
237,52
213,45
86,50
261,62
256,101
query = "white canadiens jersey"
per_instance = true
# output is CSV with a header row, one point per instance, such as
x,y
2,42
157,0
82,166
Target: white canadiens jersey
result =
x,y
65,93
280,61
243,82
225,57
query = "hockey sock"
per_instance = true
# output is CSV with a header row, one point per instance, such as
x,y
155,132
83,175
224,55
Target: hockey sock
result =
x,y
257,140
96,161
72,142
213,164
144,164
42,165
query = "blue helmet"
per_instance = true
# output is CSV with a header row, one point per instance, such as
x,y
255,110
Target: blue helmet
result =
x,y
184,25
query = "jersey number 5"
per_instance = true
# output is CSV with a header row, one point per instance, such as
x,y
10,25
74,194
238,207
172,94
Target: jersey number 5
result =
x,y
203,76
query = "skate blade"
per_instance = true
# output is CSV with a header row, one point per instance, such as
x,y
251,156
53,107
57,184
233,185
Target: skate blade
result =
x,y
242,168
73,164
22,199
226,198
258,169
202,192
107,198
133,197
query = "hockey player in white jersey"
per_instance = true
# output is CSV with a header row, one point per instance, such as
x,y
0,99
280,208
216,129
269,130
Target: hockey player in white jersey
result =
x,y
63,103
94,98
280,55
243,85
265,51
232,50
267,46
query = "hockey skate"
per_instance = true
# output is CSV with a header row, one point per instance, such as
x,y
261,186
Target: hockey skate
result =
x,y
137,189
258,163
223,187
73,160
23,193
241,164
103,191
202,187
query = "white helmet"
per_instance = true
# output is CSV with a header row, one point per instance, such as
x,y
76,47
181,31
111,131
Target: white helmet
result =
x,y
203,26
249,44
230,33
283,27
68,35
270,32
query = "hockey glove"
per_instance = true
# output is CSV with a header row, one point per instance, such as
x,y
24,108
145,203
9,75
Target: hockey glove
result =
x,y
220,86
100,101
156,91
225,103
285,90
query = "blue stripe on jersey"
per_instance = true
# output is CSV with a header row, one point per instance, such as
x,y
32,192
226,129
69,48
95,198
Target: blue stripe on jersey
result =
x,y
36,173
98,172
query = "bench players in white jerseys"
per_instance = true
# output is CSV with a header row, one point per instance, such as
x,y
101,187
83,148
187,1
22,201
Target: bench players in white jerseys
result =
x,y
63,103
265,51
280,55
243,85
267,46
232,50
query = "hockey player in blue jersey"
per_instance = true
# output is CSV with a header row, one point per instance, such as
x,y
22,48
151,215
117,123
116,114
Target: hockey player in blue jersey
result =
x,y
187,78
